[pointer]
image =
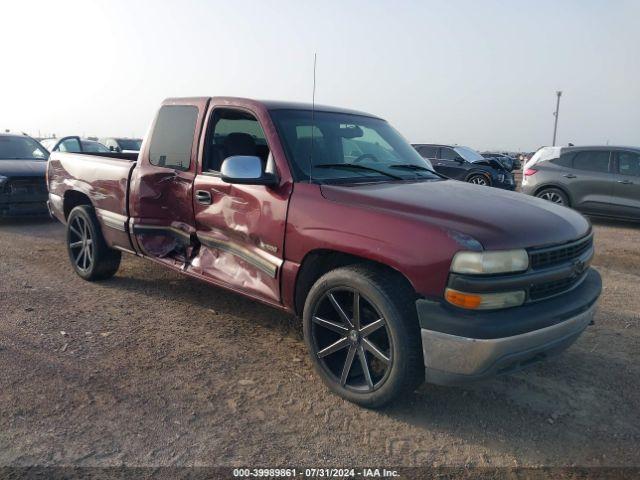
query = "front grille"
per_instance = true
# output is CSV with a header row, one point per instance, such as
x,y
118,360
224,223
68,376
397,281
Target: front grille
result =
x,y
549,289
551,256
26,185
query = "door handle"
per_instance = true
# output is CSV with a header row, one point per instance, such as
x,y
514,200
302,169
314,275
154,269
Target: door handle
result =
x,y
625,182
570,175
203,197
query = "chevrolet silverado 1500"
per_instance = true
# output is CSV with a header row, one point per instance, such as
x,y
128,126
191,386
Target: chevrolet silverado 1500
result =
x,y
399,274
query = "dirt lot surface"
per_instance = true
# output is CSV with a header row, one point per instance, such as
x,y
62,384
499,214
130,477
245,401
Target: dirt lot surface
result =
x,y
151,368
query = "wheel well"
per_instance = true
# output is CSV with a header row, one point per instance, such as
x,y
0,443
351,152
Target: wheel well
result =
x,y
318,262
557,187
72,199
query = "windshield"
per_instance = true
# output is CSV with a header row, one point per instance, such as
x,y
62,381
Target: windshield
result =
x,y
347,147
468,154
21,148
94,147
129,144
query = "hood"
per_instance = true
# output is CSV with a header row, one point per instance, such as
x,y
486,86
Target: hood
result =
x,y
497,163
23,168
496,218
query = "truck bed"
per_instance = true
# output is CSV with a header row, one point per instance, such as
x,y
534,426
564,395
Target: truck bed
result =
x,y
103,179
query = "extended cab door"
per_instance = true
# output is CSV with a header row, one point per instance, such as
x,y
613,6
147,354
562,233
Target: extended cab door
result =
x,y
626,190
241,228
161,208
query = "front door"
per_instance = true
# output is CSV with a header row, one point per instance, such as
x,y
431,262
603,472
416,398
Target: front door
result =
x,y
240,228
162,217
626,190
450,164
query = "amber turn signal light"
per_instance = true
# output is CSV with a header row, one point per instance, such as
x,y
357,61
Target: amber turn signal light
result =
x,y
484,301
463,300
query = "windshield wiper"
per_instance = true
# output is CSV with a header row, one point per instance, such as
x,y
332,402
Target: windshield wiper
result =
x,y
357,167
411,166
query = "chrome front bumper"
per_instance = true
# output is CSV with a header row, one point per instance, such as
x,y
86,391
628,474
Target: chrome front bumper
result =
x,y
451,359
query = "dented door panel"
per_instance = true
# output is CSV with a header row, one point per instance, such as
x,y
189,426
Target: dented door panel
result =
x,y
241,236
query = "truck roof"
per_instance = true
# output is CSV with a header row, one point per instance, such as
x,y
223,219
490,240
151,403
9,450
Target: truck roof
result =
x,y
275,105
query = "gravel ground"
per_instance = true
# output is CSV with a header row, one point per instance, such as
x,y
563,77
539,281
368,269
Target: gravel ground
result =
x,y
151,368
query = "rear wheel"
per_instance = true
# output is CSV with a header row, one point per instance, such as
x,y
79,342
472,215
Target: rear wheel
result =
x,y
554,195
90,256
479,179
362,333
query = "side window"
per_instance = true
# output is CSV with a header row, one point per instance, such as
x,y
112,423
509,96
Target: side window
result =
x,y
70,145
172,137
565,160
592,161
629,163
448,153
428,152
234,132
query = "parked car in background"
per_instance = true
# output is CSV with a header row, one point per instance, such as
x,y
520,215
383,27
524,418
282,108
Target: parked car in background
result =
x,y
596,180
122,144
399,275
73,144
510,162
464,163
23,190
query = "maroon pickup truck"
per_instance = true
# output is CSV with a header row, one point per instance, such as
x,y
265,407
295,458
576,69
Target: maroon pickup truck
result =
x,y
399,274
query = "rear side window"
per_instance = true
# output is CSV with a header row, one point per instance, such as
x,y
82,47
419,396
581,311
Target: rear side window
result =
x,y
592,161
629,163
428,152
172,137
565,160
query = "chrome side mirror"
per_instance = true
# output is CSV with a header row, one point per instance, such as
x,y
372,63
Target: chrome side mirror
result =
x,y
245,170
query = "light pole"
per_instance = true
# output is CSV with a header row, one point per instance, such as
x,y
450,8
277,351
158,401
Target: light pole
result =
x,y
555,114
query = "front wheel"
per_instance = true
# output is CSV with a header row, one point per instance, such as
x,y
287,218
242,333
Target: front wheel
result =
x,y
90,256
479,179
361,329
554,195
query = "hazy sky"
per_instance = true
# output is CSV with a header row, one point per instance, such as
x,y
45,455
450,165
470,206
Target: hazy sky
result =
x,y
477,73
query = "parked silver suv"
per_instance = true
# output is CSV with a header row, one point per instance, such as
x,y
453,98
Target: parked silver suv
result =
x,y
598,180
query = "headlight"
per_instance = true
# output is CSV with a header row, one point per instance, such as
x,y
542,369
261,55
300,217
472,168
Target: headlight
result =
x,y
482,263
501,177
484,301
3,179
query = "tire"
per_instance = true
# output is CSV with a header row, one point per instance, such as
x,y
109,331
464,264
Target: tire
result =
x,y
388,330
89,254
554,195
479,179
